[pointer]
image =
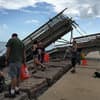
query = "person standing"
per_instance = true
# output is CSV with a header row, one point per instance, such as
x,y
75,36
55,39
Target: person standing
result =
x,y
37,56
15,56
79,56
74,56
41,52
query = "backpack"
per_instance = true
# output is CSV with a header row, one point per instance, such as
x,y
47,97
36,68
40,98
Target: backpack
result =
x,y
97,74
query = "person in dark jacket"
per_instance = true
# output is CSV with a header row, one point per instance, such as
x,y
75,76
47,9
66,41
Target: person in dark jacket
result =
x,y
74,56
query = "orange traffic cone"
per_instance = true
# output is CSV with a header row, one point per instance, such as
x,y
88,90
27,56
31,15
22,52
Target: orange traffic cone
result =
x,y
46,57
84,62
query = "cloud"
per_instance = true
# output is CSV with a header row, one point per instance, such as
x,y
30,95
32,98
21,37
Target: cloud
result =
x,y
34,12
76,8
32,21
16,4
3,28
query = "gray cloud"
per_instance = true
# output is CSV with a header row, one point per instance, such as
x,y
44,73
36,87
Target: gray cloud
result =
x,y
16,4
76,8
80,8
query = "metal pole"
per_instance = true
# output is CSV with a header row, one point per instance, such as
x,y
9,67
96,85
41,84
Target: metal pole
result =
x,y
71,36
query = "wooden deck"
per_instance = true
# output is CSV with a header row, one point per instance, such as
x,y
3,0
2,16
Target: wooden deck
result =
x,y
40,81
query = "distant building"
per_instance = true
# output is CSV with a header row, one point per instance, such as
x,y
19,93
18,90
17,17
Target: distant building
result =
x,y
94,55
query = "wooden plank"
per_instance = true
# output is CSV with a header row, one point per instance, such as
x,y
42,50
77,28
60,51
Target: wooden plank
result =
x,y
22,96
51,74
48,73
33,86
32,83
58,64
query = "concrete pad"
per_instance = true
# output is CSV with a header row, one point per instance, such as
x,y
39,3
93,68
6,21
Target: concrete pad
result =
x,y
78,86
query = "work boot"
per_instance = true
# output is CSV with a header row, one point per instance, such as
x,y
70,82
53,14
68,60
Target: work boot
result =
x,y
9,95
73,71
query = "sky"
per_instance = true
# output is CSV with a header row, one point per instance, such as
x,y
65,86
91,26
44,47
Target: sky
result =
x,y
25,16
